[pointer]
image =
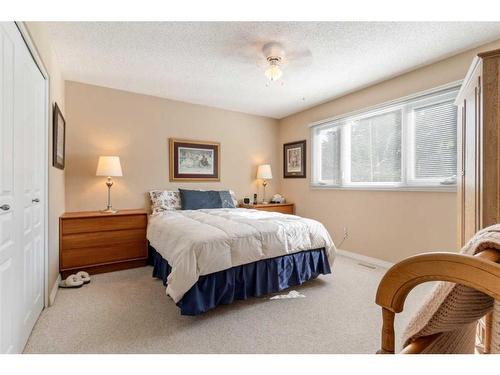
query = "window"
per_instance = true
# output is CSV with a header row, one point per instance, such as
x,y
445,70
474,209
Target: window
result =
x,y
411,143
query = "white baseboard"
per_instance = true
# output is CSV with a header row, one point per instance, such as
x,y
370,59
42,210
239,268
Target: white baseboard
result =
x,y
364,258
53,291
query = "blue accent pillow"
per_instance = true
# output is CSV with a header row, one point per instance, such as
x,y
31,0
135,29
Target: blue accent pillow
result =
x,y
198,199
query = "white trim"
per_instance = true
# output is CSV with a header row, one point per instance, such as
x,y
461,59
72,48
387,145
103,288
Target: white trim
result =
x,y
389,103
38,61
366,259
32,48
54,290
477,60
438,189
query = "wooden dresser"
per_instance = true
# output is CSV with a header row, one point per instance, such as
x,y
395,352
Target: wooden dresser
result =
x,y
99,242
284,208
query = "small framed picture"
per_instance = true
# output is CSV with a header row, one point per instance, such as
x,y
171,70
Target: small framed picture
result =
x,y
58,138
194,160
294,159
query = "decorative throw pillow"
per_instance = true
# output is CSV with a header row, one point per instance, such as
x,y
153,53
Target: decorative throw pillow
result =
x,y
164,200
233,197
226,199
199,199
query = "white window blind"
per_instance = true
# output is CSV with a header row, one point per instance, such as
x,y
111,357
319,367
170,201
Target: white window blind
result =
x,y
435,142
409,143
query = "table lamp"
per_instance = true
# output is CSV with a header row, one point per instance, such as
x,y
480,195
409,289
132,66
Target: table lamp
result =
x,y
109,166
264,173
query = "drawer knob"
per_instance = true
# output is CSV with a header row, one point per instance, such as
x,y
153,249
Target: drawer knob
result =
x,y
5,207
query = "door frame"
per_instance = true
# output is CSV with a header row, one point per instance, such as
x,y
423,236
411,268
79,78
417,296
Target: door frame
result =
x,y
23,30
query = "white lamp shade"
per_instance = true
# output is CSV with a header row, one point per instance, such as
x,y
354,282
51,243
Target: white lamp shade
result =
x,y
264,172
109,166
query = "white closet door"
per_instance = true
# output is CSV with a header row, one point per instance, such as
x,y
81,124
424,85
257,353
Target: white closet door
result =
x,y
9,205
22,183
30,99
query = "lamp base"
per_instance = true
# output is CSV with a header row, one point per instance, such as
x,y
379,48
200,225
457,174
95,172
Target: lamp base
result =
x,y
109,208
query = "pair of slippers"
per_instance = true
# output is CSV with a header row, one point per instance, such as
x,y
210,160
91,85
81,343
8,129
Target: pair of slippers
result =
x,y
76,281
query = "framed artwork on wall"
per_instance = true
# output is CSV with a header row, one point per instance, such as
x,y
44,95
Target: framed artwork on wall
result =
x,y
194,160
294,159
58,138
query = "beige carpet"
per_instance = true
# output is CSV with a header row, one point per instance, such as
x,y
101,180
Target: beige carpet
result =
x,y
128,312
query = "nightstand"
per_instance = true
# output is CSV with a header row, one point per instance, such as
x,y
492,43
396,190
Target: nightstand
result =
x,y
284,208
102,242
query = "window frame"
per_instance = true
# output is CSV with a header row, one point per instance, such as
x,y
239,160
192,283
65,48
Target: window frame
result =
x,y
406,105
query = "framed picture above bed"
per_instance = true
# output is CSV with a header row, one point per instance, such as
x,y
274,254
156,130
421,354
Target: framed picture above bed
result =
x,y
58,138
294,159
194,160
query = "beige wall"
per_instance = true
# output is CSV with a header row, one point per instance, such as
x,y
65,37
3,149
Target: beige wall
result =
x,y
56,176
385,225
136,127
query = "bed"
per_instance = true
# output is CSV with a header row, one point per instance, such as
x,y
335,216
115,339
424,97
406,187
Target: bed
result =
x,y
209,257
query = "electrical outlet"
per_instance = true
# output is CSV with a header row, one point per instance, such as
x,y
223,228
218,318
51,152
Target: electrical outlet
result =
x,y
346,233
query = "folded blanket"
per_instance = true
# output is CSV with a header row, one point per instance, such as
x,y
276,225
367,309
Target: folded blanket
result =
x,y
453,309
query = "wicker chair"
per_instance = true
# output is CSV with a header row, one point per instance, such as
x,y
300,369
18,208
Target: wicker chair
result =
x,y
446,322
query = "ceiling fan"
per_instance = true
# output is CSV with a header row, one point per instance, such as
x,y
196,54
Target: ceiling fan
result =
x,y
277,59
274,57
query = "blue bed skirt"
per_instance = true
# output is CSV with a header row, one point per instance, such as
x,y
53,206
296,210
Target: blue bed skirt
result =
x,y
248,280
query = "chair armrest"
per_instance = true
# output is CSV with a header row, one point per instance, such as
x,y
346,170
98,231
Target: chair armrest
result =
x,y
418,346
480,272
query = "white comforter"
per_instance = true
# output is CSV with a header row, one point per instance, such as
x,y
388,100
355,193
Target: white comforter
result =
x,y
200,242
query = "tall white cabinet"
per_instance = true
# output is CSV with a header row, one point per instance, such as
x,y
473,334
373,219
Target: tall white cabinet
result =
x,y
22,190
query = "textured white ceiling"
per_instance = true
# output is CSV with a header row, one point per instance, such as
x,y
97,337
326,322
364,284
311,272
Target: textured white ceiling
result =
x,y
219,63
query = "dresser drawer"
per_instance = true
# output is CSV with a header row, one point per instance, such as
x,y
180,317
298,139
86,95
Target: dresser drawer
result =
x,y
101,224
90,256
102,239
282,209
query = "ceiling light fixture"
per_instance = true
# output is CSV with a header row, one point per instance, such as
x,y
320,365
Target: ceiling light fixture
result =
x,y
273,73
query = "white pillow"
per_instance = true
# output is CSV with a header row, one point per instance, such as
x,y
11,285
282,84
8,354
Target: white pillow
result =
x,y
235,201
164,200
